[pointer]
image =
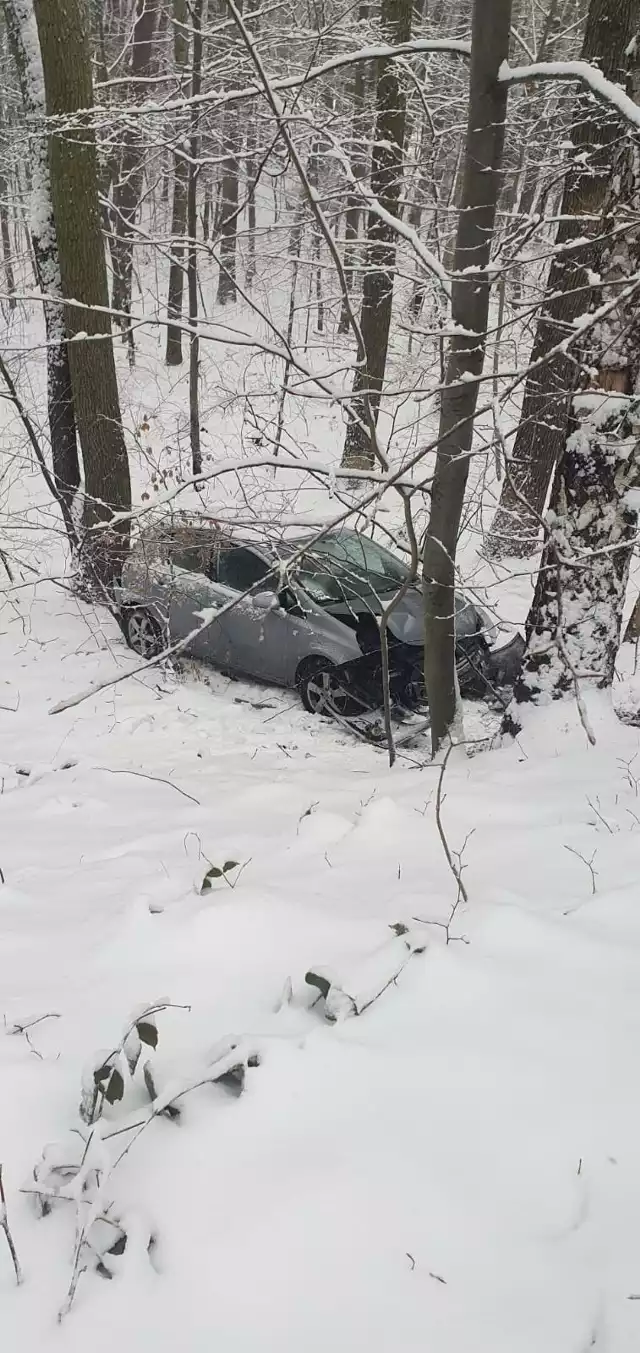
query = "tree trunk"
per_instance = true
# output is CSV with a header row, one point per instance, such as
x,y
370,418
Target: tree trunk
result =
x,y
192,227
64,46
173,356
295,245
227,223
207,210
573,627
377,295
250,171
6,242
632,632
358,164
126,191
611,26
23,41
470,308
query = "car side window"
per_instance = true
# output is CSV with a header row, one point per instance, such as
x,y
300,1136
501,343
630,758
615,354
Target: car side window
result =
x,y
192,554
240,568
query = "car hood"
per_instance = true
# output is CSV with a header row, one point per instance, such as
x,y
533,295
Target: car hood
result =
x,y
406,622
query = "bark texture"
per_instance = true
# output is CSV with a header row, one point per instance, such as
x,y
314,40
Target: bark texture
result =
x,y
470,308
386,181
127,189
192,225
573,627
227,222
173,354
611,25
64,47
62,425
358,162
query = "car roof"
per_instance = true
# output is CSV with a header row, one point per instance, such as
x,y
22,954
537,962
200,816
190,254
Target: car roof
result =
x,y
267,539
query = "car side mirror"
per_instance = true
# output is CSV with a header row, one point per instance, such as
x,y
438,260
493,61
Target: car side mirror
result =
x,y
266,601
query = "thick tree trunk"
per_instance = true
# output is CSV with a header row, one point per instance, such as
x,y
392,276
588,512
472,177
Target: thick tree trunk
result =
x,y
358,164
611,26
173,354
377,295
470,308
573,627
64,46
126,191
23,41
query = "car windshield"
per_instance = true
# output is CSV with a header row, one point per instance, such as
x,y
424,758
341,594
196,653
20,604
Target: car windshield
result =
x,y
344,566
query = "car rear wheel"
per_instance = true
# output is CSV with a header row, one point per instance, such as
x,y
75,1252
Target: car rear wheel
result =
x,y
322,690
143,633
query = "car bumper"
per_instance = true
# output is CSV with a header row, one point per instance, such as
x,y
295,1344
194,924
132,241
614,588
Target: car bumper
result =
x,y
503,664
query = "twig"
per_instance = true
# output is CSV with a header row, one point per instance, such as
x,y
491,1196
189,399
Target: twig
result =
x,y
114,770
307,813
600,816
4,1223
589,864
29,1024
24,1030
40,457
455,869
7,565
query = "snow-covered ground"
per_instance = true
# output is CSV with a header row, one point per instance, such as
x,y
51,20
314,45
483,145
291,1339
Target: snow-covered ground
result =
x,y
455,1169
459,1167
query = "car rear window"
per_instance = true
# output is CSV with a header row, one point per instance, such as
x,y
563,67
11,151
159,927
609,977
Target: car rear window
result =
x,y
193,551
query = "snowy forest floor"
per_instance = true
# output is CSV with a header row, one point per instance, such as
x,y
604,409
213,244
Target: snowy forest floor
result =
x,y
458,1168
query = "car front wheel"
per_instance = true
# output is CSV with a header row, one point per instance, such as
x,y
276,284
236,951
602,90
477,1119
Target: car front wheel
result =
x,y
143,633
322,690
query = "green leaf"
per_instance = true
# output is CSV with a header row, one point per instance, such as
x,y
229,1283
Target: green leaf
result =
x,y
147,1033
149,1081
114,1088
316,979
170,1110
212,873
229,865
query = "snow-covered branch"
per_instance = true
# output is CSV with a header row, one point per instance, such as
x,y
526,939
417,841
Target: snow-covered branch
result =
x,y
211,100
593,79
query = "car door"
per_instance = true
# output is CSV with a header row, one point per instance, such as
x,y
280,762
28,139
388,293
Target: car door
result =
x,y
189,589
258,637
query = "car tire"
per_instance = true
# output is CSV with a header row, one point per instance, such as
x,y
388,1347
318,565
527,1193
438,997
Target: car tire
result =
x,y
143,632
318,683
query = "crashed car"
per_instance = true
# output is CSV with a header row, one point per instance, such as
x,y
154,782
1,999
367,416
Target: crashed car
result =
x,y
301,612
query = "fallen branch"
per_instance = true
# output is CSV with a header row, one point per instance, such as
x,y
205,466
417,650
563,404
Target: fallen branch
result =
x,y
4,1223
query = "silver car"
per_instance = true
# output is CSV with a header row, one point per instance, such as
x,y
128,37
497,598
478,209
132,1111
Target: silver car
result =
x,y
295,614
